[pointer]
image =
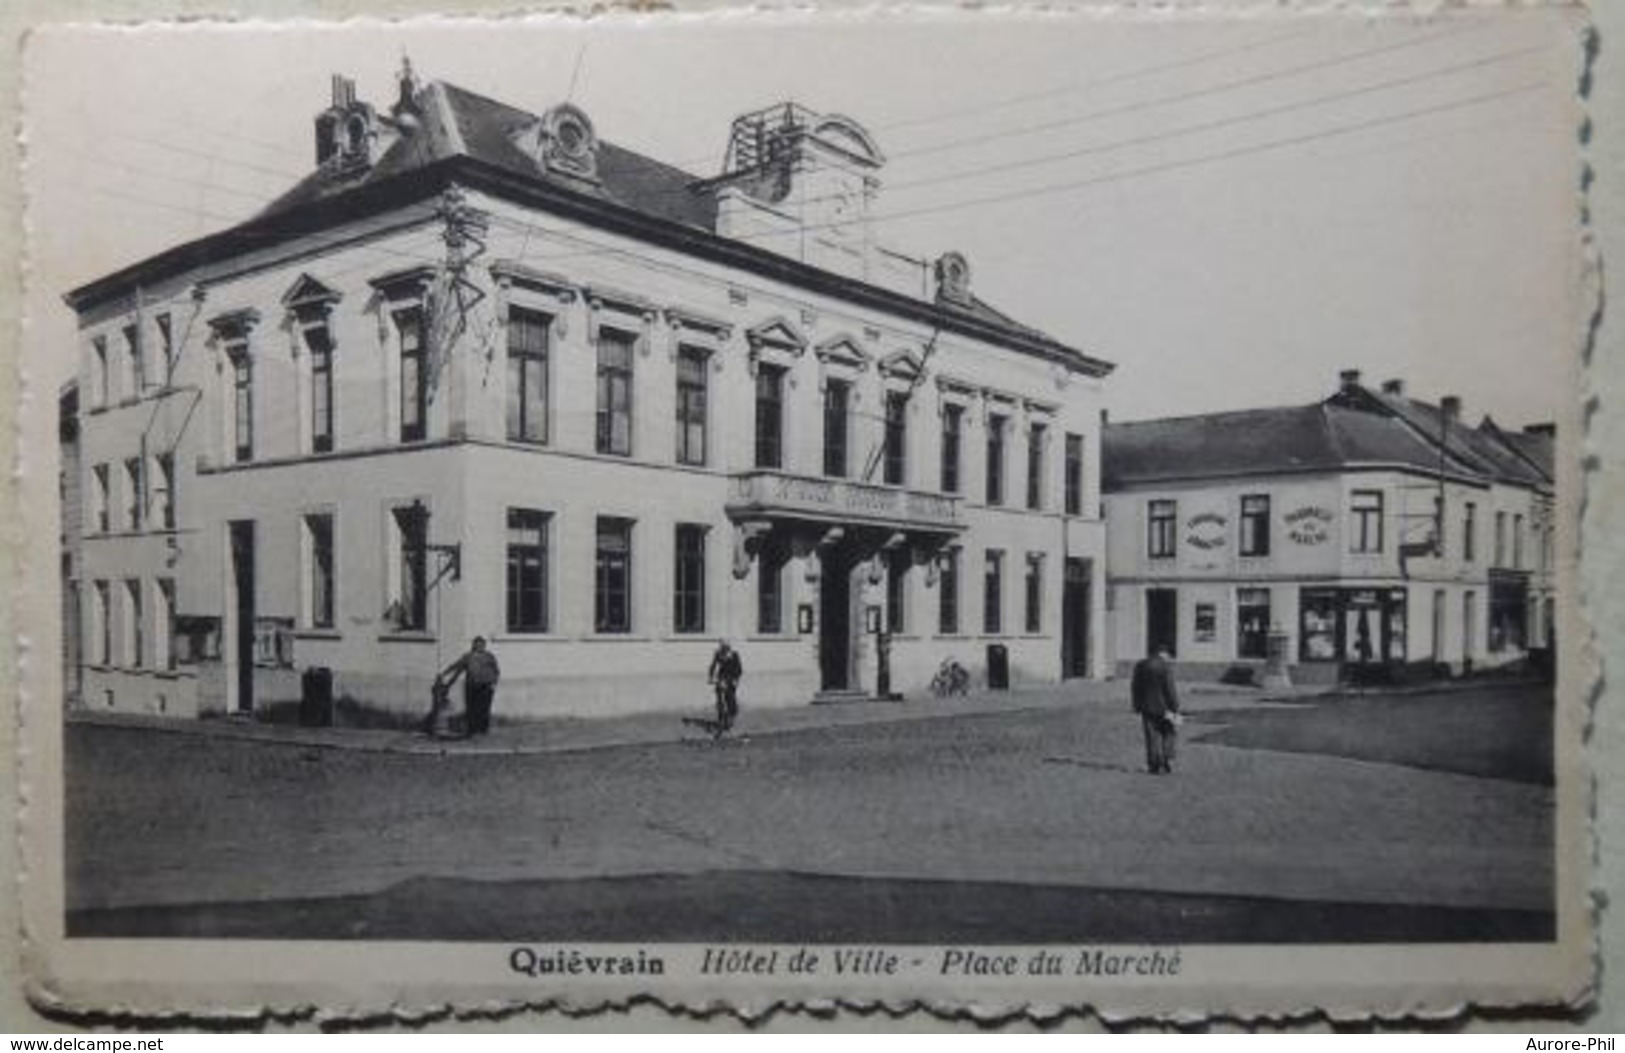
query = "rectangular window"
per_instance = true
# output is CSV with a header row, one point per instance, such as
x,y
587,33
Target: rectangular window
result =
x,y
612,580
134,616
837,394
138,365
101,375
896,467
412,545
1517,542
995,459
953,426
948,593
1255,525
166,346
691,405
1500,539
414,374
993,593
1034,593
1160,529
163,497
242,383
614,431
770,591
1074,475
1252,623
1036,435
527,570
688,580
132,494
528,335
898,562
769,416
319,341
320,578
1469,532
101,497
103,629
1365,521
1206,623
164,624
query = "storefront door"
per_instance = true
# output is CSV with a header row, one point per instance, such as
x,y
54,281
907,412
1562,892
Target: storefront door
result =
x,y
1162,620
835,625
1075,619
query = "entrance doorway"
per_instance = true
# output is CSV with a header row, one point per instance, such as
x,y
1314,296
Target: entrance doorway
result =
x,y
1162,620
1075,619
835,624
242,586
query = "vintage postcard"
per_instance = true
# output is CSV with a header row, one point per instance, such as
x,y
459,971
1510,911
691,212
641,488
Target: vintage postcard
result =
x,y
999,511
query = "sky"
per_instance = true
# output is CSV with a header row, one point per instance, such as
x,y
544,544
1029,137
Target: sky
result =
x,y
1233,211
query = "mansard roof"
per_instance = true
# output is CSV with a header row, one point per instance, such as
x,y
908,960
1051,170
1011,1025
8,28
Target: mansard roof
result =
x,y
465,138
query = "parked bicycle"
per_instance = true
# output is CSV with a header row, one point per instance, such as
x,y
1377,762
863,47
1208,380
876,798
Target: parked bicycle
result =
x,y
951,679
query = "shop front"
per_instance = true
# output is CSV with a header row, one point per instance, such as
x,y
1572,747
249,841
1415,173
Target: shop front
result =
x,y
1363,629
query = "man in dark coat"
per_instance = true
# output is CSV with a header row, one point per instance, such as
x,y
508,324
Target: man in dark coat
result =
x,y
1157,702
479,688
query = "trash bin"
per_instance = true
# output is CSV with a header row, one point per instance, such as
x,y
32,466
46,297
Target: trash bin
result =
x,y
316,698
998,667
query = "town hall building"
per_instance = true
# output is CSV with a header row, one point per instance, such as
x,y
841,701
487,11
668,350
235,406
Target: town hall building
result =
x,y
484,373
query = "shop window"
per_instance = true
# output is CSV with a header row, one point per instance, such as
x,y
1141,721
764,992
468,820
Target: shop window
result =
x,y
1252,623
1206,623
1318,626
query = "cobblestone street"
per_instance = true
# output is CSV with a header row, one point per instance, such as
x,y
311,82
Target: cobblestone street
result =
x,y
1032,806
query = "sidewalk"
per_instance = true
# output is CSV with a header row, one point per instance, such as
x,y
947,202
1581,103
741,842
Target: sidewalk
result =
x,y
580,734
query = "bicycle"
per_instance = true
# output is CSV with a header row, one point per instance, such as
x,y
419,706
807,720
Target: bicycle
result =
x,y
951,679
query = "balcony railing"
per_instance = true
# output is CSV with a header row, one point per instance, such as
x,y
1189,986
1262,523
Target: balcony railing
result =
x,y
768,493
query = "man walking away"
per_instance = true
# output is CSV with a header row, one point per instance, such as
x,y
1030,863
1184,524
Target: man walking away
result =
x,y
724,674
479,689
1157,702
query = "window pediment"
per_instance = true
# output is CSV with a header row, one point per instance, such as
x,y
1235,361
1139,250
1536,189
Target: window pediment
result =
x,y
845,351
410,283
310,299
776,334
902,365
233,327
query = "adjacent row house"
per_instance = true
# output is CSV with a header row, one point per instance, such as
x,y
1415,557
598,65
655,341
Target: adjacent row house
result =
x,y
1371,535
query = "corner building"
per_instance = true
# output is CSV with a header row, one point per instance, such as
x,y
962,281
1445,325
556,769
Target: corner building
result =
x,y
1379,536
484,373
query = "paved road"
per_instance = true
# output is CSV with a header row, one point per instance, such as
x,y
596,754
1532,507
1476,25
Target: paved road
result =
x,y
1002,809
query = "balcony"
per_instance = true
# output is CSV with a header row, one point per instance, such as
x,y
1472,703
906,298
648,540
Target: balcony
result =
x,y
772,494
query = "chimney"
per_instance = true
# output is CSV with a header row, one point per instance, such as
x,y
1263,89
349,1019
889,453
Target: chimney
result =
x,y
1395,387
1546,428
1450,406
1350,379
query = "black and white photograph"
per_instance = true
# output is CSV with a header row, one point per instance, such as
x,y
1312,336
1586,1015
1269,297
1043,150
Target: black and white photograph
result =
x,y
1019,507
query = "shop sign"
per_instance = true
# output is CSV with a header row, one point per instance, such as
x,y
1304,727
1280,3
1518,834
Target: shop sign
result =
x,y
1309,525
1205,530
